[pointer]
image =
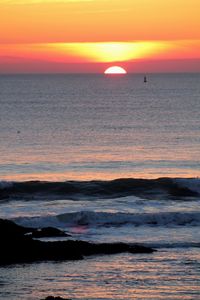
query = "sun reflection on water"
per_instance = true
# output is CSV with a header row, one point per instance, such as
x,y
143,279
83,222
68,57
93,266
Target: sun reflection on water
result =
x,y
168,274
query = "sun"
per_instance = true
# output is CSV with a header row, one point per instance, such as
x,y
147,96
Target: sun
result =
x,y
115,70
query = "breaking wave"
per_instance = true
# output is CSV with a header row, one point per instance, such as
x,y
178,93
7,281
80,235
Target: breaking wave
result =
x,y
91,218
149,188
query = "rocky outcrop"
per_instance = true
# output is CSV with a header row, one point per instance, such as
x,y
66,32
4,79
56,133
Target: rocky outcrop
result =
x,y
17,247
48,232
10,227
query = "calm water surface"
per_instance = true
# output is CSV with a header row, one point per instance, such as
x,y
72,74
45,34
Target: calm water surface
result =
x,y
59,127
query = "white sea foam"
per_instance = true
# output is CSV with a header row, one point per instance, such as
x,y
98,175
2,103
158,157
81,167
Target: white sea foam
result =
x,y
92,218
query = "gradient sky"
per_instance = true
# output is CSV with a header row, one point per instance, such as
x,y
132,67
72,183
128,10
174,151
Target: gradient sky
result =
x,y
90,35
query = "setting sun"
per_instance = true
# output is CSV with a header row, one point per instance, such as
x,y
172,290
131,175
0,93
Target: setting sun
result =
x,y
115,70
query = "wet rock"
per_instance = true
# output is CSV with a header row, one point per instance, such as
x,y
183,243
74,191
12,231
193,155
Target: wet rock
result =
x,y
48,232
16,247
8,228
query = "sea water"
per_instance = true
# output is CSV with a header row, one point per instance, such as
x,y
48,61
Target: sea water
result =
x,y
105,158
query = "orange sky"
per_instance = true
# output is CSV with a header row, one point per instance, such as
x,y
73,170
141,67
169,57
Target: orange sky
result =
x,y
89,35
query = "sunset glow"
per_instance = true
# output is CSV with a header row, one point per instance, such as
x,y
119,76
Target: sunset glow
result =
x,y
61,35
110,52
91,52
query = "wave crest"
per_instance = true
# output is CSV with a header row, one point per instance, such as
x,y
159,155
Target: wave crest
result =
x,y
91,218
75,190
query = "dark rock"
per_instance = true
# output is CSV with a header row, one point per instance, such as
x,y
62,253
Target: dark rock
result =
x,y
12,228
8,228
16,247
48,232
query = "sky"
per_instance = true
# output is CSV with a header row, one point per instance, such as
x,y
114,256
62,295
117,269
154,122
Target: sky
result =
x,y
90,35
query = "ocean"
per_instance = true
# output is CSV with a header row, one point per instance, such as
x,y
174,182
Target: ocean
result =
x,y
105,158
